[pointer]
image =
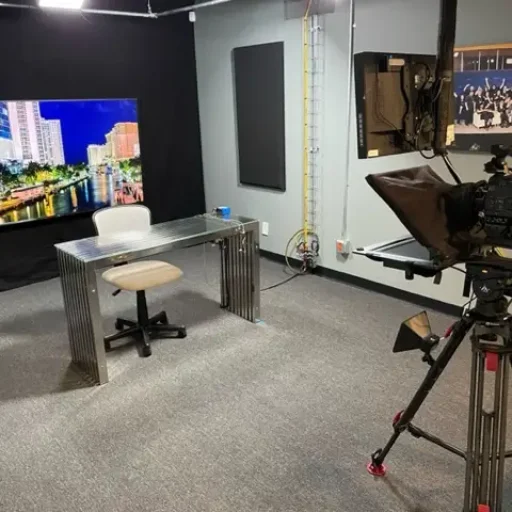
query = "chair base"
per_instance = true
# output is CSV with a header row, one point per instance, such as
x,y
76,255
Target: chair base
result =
x,y
155,327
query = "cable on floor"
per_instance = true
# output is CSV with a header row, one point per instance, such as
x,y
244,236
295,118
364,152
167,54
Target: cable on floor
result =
x,y
287,280
295,273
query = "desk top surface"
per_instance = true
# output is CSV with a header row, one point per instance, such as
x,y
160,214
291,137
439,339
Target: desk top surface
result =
x,y
159,238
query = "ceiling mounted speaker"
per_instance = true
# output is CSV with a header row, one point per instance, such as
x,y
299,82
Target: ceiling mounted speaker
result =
x,y
62,4
413,333
297,8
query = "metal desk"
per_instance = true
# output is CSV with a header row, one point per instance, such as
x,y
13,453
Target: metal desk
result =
x,y
79,261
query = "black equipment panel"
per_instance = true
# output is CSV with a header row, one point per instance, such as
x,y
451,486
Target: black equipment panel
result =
x,y
259,89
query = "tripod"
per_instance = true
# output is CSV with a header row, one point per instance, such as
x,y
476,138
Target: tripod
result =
x,y
485,453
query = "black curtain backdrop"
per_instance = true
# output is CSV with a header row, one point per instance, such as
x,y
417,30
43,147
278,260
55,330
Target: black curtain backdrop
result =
x,y
71,56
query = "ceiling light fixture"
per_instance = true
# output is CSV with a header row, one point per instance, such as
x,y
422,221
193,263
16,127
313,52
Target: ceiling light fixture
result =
x,y
62,4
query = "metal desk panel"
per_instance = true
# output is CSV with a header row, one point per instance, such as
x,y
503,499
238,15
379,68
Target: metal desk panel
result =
x,y
107,250
79,260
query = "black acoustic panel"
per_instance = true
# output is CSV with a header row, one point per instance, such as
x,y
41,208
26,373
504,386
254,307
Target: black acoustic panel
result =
x,y
259,89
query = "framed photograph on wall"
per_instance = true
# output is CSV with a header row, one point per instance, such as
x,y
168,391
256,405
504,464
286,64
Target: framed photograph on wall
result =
x,y
483,97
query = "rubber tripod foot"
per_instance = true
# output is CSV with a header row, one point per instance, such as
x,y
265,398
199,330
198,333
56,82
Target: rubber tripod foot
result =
x,y
376,469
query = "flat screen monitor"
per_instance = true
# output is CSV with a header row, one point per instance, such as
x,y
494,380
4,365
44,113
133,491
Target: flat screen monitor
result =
x,y
64,157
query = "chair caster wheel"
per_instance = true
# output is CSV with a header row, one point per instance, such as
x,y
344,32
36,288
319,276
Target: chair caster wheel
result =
x,y
146,351
182,333
118,325
108,347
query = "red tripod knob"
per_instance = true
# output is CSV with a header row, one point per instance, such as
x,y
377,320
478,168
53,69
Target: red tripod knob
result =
x,y
491,364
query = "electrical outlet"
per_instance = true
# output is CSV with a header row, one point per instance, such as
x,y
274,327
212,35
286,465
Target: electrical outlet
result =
x,y
343,247
264,228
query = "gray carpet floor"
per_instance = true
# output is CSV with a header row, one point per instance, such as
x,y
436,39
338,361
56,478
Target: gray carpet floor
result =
x,y
279,416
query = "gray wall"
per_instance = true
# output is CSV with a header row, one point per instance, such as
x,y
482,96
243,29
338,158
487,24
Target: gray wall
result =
x,y
382,25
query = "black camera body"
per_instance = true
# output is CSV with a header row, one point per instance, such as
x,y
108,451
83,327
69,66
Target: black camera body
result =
x,y
495,200
497,212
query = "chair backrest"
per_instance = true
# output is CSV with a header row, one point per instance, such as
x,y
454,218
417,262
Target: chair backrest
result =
x,y
119,219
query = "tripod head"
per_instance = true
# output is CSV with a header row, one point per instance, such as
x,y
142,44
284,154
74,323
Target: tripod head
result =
x,y
492,287
489,283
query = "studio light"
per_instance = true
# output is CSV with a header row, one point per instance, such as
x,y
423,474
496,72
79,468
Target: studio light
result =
x,y
61,4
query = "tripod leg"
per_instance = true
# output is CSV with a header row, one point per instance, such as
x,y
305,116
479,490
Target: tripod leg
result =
x,y
486,456
503,433
461,328
470,451
486,451
474,458
498,384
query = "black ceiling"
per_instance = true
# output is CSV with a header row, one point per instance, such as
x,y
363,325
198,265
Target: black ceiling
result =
x,y
122,5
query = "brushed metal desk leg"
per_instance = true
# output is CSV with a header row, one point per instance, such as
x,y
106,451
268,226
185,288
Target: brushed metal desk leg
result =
x,y
81,304
246,281
98,336
255,274
224,296
235,243
230,263
240,275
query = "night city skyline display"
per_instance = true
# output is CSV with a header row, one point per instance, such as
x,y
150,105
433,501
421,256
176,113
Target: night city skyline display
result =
x,y
483,97
63,157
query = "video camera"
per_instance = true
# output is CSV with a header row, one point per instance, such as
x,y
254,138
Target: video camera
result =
x,y
493,200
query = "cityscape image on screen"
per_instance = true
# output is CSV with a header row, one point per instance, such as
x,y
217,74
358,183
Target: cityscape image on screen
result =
x,y
63,157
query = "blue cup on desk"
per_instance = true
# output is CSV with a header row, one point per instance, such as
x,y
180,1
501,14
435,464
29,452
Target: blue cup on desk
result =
x,y
223,211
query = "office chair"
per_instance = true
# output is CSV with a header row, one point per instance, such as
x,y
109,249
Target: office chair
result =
x,y
137,277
